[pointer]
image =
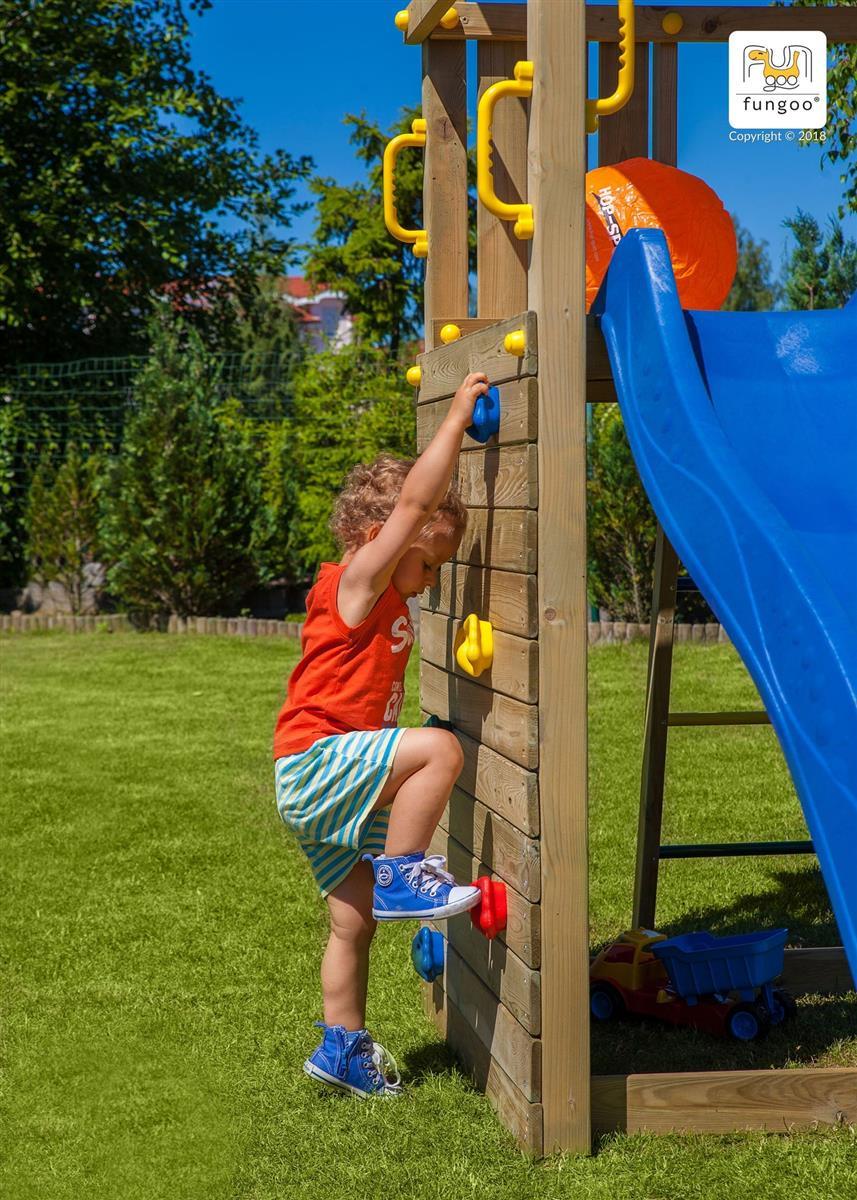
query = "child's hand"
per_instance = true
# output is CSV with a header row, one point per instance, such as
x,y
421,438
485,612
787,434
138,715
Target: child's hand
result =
x,y
464,400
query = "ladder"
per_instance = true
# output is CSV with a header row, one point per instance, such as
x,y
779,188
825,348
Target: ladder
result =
x,y
658,721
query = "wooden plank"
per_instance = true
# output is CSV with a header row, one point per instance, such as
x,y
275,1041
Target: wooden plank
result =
x,y
609,1101
601,391
703,24
510,1045
499,477
501,274
512,856
523,928
508,977
597,361
696,719
557,156
445,179
665,103
723,1101
423,16
514,671
655,733
625,134
465,324
505,539
820,970
518,416
444,368
522,1119
510,598
504,724
500,785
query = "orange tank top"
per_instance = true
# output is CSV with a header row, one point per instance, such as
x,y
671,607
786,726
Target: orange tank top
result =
x,y
350,677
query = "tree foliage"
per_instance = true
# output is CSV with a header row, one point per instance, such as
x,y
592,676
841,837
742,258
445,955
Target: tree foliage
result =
x,y
753,288
822,270
125,175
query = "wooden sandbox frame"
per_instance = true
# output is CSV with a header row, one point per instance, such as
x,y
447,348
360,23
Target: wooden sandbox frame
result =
x,y
517,1010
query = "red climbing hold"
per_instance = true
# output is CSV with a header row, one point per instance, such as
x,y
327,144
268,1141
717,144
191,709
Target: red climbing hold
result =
x,y
489,915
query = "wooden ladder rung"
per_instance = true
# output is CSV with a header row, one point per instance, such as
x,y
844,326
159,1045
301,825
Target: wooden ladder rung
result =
x,y
749,717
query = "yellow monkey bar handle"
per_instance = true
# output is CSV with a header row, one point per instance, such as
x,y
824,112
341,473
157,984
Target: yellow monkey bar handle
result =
x,y
521,85
417,237
625,82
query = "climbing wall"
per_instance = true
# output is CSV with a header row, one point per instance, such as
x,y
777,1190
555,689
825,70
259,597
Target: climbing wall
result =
x,y
487,1003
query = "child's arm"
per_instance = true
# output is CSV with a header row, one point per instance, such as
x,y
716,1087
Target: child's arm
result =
x,y
369,572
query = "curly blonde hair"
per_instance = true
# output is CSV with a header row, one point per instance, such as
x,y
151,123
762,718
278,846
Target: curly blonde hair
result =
x,y
370,494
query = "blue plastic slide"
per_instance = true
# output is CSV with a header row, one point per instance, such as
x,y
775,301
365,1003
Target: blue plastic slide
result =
x,y
744,430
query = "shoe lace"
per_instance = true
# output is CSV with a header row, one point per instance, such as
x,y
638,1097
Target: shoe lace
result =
x,y
387,1067
429,874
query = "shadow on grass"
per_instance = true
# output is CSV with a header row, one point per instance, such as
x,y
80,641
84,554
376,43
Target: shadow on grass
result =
x,y
432,1058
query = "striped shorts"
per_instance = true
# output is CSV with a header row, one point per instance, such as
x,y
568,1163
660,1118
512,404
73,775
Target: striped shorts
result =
x,y
325,795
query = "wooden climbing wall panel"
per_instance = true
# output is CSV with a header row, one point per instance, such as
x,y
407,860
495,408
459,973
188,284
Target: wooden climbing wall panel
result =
x,y
488,1003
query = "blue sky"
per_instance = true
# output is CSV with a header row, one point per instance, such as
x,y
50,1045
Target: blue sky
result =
x,y
299,66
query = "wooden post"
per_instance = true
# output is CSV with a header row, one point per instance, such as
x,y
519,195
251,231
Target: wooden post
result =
x,y
557,46
625,134
501,275
445,182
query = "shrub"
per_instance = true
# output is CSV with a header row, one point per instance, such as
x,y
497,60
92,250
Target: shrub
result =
x,y
62,521
181,525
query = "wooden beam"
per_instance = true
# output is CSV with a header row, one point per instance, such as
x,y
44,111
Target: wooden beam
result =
x,y
508,977
465,324
625,134
505,539
514,671
821,970
501,258
597,361
519,416
512,856
445,180
777,1101
665,103
498,477
704,24
523,928
444,368
423,18
521,1118
696,719
556,44
507,726
511,599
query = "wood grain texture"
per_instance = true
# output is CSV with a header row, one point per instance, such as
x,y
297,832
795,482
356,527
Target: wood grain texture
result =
x,y
816,969
519,1116
517,1052
499,477
514,671
523,929
508,977
500,785
709,23
506,539
504,724
423,16
556,43
512,856
665,103
502,259
465,324
518,416
624,134
509,597
444,368
445,179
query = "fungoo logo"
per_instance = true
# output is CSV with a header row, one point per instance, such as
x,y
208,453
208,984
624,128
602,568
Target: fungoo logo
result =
x,y
777,80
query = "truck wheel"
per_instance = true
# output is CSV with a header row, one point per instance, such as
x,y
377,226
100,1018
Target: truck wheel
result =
x,y
748,1022
605,1003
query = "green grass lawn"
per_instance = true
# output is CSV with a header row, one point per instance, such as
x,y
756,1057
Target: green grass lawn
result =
x,y
161,938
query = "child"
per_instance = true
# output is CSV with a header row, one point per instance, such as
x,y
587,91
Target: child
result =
x,y
363,796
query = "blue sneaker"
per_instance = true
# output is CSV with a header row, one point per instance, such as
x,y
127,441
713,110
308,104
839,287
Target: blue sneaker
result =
x,y
354,1063
415,887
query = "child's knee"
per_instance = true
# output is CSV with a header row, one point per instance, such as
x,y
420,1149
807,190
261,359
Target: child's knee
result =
x,y
355,927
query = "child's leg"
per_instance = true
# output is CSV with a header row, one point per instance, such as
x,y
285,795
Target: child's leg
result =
x,y
345,966
427,764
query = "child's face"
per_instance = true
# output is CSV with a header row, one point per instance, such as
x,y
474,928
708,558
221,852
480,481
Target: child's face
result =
x,y
417,569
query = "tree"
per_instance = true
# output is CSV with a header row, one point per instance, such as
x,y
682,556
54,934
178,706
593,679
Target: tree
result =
x,y
125,175
820,272
752,289
352,250
840,133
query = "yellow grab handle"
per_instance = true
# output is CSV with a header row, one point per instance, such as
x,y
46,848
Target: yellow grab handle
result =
x,y
521,85
625,82
474,645
417,237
